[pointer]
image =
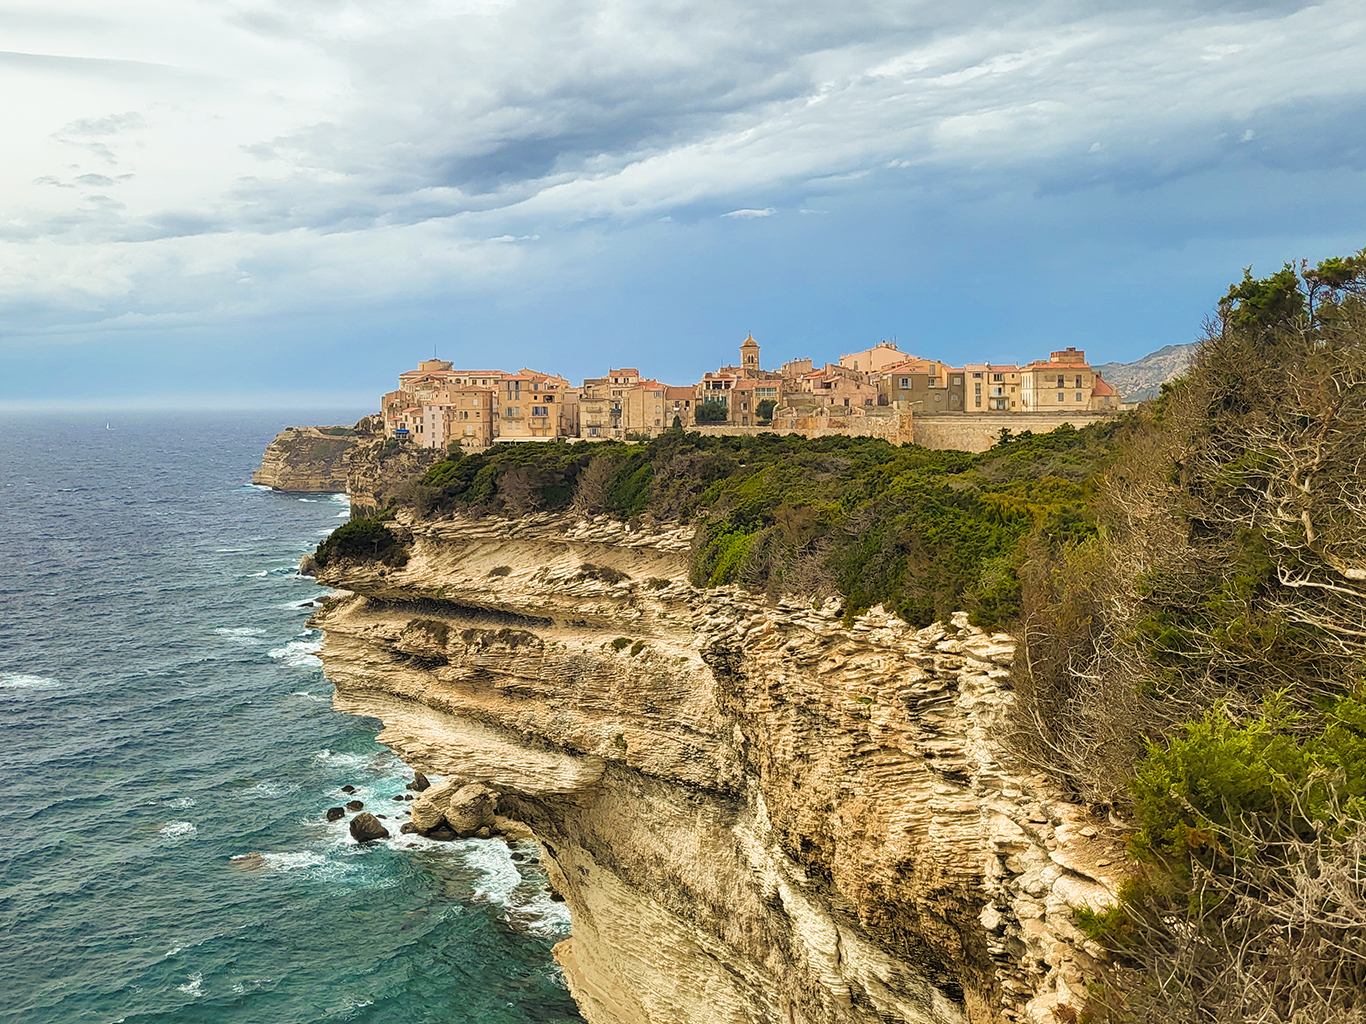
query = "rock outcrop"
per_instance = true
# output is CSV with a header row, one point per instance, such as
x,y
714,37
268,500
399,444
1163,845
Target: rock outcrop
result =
x,y
378,469
311,460
365,828
755,812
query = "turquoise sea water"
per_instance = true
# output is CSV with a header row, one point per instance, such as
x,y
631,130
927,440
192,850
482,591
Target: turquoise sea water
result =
x,y
161,713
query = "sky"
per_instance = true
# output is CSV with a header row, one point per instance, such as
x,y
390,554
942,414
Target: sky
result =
x,y
256,202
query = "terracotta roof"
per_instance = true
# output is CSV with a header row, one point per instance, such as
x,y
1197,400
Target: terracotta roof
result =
x,y
1102,389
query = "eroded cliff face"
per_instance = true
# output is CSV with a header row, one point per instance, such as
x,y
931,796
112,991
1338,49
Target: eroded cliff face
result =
x,y
753,812
312,459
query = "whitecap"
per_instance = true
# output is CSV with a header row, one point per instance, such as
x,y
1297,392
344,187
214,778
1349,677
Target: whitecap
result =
x,y
194,985
302,653
247,636
178,830
503,884
313,501
340,498
343,515
24,681
180,803
297,860
315,697
259,575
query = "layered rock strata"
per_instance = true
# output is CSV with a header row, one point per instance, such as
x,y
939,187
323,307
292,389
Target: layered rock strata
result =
x,y
755,813
312,460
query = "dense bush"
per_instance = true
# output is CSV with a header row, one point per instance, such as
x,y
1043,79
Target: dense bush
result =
x,y
362,539
1198,662
924,532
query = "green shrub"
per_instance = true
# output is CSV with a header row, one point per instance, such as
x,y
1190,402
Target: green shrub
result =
x,y
621,643
361,539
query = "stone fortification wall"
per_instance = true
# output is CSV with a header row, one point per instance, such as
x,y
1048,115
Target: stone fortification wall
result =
x,y
895,427
755,812
976,432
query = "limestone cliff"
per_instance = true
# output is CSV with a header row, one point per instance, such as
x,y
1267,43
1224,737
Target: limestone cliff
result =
x,y
311,459
378,469
754,812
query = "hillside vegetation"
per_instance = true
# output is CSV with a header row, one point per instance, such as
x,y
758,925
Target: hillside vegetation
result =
x,y
924,532
1198,662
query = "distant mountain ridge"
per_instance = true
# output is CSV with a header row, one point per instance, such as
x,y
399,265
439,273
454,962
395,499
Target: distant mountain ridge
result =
x,y
1143,378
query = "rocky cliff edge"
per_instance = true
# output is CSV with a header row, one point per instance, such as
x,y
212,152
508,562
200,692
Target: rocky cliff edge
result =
x,y
754,812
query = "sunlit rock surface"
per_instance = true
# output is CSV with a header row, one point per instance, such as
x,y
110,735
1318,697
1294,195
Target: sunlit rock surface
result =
x,y
754,812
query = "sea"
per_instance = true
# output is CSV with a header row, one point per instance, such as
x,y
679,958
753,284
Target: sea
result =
x,y
168,750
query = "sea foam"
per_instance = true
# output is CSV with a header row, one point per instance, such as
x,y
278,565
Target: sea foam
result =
x,y
300,653
24,681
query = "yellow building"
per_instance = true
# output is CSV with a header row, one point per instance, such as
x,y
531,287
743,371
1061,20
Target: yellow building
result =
x,y
1062,383
528,406
991,387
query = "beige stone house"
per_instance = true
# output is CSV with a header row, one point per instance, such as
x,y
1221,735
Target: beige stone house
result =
x,y
1062,383
992,387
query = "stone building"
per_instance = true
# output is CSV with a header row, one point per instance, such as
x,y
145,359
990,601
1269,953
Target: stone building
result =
x,y
1063,382
992,388
529,406
922,387
875,359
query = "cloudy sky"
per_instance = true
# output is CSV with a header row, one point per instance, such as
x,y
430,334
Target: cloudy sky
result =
x,y
221,200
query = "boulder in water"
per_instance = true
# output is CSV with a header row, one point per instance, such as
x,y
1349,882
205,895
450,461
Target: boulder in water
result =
x,y
348,789
407,827
308,566
355,805
366,827
336,813
419,783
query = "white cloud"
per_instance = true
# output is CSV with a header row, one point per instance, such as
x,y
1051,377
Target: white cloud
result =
x,y
212,158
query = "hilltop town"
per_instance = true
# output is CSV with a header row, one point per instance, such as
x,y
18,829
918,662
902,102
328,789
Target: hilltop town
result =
x,y
877,392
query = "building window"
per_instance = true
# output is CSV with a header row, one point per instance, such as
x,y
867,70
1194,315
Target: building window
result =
x,y
1078,396
1078,380
905,382
539,410
1061,397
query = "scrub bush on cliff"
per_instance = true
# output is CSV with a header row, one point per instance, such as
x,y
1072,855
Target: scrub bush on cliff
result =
x,y
925,532
1230,561
362,540
1199,663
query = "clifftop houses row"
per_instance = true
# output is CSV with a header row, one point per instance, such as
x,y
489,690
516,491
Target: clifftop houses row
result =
x,y
437,405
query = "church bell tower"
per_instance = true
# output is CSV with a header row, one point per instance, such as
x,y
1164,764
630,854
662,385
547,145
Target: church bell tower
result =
x,y
749,356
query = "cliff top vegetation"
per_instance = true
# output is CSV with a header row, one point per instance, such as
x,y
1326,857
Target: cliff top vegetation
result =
x,y
924,532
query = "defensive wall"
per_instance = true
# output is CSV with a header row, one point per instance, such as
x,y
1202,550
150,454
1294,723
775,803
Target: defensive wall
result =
x,y
967,432
976,432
